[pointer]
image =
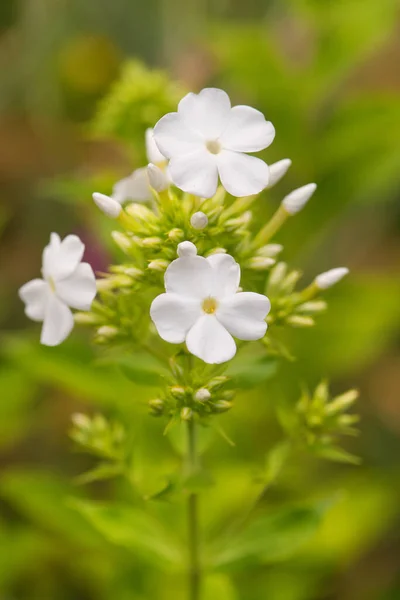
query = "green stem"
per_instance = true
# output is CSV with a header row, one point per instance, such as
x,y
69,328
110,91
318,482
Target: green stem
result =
x,y
271,228
193,522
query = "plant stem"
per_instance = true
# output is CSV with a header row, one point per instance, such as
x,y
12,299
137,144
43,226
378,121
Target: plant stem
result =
x,y
269,230
193,523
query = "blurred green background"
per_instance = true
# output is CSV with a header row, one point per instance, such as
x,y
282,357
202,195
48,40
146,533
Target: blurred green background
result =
x,y
326,73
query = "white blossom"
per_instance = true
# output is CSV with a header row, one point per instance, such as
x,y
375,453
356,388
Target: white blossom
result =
x,y
203,307
158,179
326,280
107,205
67,283
137,186
199,220
278,170
207,138
296,200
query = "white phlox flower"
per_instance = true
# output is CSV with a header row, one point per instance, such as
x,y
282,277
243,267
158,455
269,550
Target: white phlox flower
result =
x,y
208,138
202,306
67,283
137,186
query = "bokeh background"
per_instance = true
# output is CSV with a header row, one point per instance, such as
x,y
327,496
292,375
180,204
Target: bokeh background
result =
x,y
75,98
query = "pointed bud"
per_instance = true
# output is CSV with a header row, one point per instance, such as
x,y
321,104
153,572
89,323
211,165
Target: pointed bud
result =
x,y
260,263
329,278
222,406
157,178
107,205
186,249
296,200
122,241
202,395
107,331
81,420
277,171
175,235
342,403
178,392
199,220
300,321
270,250
313,307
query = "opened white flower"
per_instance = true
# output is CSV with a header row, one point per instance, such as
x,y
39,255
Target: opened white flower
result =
x,y
136,186
203,307
67,282
207,138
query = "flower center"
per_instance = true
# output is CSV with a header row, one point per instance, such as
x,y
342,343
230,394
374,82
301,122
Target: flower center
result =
x,y
52,285
209,305
213,146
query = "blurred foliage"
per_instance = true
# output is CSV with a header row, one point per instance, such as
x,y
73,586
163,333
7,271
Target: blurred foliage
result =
x,y
314,67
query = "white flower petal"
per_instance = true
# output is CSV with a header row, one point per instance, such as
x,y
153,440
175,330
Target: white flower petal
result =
x,y
58,322
195,173
190,276
174,138
158,179
153,154
243,315
226,274
173,316
134,187
35,294
61,259
210,341
207,113
242,175
247,130
79,289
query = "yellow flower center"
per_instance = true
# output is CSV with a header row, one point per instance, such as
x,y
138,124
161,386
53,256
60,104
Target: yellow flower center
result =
x,y
52,285
213,146
209,305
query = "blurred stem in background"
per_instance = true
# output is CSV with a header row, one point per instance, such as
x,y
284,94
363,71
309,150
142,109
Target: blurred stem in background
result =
x,y
193,519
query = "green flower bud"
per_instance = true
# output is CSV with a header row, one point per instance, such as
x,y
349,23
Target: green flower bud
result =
x,y
178,392
222,406
260,263
151,242
123,241
342,403
217,382
157,406
176,235
86,318
186,413
159,265
107,331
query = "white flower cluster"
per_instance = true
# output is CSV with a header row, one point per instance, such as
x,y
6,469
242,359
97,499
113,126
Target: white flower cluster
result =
x,y
205,141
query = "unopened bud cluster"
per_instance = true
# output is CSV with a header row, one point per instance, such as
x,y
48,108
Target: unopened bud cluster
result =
x,y
98,436
184,402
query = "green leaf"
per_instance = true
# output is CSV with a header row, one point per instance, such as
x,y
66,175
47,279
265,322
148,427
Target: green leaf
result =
x,y
132,529
100,473
270,538
336,454
275,461
251,370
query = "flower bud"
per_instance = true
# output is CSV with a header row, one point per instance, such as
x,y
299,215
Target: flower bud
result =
x,y
342,403
157,406
178,392
107,205
329,278
186,413
270,250
159,264
296,200
157,178
217,382
260,263
222,406
199,220
81,420
277,171
300,321
313,307
175,235
86,318
122,241
107,331
216,251
141,212
151,242
186,249
202,395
